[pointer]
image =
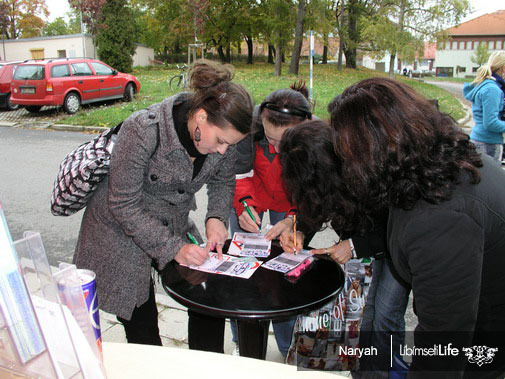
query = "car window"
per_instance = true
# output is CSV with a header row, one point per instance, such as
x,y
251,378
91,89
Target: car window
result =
x,y
101,69
29,72
81,69
60,71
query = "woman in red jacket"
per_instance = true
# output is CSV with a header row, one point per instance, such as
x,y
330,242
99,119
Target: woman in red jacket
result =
x,y
258,180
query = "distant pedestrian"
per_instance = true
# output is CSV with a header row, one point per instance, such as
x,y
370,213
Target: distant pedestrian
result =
x,y
487,97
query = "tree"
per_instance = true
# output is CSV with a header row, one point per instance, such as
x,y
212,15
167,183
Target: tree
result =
x,y
297,47
74,21
481,54
278,27
116,39
58,27
22,18
168,25
402,26
91,11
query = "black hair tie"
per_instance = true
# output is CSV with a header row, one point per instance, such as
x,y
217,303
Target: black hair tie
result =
x,y
293,112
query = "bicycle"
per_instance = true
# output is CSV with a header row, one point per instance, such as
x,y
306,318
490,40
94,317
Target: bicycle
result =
x,y
179,81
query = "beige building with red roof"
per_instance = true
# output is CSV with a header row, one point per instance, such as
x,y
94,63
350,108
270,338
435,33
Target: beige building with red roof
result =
x,y
453,57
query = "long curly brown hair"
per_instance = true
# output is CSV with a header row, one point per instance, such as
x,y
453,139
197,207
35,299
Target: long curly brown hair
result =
x,y
390,147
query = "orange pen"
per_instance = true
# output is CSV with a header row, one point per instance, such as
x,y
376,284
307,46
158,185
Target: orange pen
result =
x,y
294,231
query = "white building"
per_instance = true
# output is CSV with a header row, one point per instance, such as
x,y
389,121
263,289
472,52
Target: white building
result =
x,y
453,57
67,46
424,64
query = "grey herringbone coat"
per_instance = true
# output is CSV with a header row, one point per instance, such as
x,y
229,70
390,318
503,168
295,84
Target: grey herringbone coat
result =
x,y
140,212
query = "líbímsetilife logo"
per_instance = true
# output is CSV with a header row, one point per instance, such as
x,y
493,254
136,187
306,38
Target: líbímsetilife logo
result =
x,y
480,354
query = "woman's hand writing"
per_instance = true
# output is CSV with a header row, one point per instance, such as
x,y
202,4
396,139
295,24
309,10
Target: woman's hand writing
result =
x,y
247,223
287,241
216,236
191,254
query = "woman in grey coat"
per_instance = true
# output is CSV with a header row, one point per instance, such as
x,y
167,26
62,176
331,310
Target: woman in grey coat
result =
x,y
138,216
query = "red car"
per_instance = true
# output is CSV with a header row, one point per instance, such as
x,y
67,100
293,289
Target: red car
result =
x,y
69,82
6,70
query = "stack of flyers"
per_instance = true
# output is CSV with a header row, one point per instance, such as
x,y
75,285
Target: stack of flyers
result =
x,y
231,266
287,261
250,245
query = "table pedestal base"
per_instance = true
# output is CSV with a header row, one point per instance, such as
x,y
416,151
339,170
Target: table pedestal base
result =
x,y
253,337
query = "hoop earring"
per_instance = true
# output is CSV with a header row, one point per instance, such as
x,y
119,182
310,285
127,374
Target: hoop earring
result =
x,y
198,135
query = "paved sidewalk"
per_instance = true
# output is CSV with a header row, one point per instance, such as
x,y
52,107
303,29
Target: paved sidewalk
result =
x,y
173,323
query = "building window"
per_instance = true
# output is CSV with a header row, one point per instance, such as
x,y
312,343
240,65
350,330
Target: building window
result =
x,y
62,53
460,69
474,69
454,45
37,53
444,71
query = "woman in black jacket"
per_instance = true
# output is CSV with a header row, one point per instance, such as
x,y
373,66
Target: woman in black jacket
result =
x,y
394,151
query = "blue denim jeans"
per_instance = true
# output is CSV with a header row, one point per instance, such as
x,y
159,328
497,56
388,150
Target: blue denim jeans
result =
x,y
283,329
384,312
493,150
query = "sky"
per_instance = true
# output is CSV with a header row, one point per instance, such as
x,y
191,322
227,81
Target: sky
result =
x,y
58,8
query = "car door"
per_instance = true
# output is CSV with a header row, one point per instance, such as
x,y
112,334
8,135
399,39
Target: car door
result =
x,y
87,83
110,84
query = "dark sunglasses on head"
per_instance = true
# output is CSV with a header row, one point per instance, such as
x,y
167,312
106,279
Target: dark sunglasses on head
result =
x,y
292,112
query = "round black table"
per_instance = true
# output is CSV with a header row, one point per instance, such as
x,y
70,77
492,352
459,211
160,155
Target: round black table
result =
x,y
266,296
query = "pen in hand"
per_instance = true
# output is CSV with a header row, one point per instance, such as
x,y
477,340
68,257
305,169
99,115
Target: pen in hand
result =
x,y
244,203
294,232
192,239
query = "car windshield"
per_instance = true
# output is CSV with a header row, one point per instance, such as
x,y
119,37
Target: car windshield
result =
x,y
29,72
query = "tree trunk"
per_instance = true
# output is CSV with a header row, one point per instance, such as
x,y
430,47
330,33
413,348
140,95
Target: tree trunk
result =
x,y
340,54
297,47
220,52
392,64
228,53
350,50
239,47
271,53
278,59
325,48
340,18
401,23
250,52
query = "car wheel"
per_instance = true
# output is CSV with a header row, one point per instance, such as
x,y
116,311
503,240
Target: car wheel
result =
x,y
72,103
129,92
33,108
11,106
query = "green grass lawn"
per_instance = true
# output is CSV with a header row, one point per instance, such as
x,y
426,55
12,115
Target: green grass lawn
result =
x,y
260,81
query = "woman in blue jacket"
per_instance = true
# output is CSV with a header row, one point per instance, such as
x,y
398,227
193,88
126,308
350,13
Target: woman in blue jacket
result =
x,y
486,95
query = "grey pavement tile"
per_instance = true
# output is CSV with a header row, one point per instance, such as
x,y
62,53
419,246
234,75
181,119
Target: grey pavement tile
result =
x,y
114,334
173,323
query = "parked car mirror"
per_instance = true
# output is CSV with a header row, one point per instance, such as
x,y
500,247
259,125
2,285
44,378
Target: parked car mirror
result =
x,y
114,72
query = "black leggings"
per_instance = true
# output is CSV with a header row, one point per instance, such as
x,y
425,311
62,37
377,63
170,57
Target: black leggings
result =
x,y
142,328
204,332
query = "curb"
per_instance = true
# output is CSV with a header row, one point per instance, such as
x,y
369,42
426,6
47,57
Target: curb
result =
x,y
51,126
468,115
